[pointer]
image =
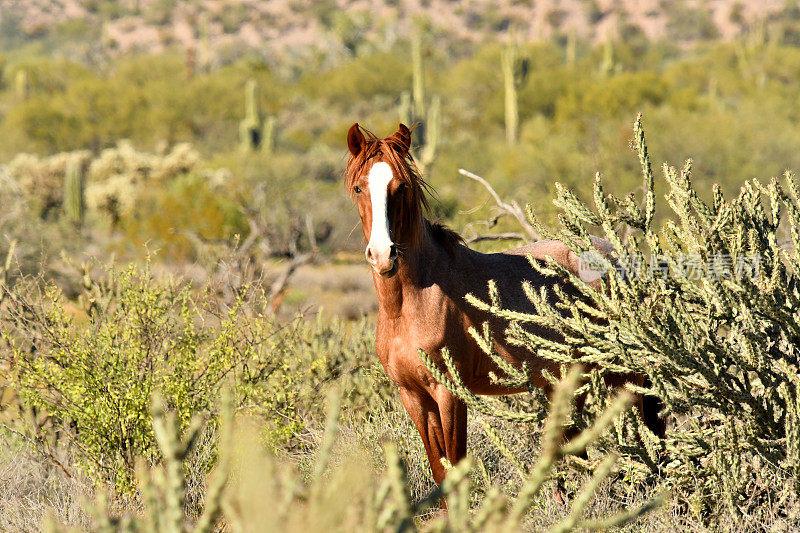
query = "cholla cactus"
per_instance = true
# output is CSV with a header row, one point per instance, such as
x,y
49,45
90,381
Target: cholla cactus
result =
x,y
122,159
42,179
117,175
498,516
333,499
110,183
706,307
182,159
115,197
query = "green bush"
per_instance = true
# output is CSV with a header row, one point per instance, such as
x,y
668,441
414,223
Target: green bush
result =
x,y
97,370
94,364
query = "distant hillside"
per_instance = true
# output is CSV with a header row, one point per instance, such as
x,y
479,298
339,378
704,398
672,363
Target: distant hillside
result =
x,y
215,30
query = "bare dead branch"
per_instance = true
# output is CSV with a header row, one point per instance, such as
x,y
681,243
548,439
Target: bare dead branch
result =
x,y
511,236
278,288
511,209
255,233
43,452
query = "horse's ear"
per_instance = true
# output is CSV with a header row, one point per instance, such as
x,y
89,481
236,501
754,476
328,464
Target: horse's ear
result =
x,y
355,139
403,139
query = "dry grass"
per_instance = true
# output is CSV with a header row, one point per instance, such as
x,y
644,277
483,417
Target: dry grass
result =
x,y
344,290
33,488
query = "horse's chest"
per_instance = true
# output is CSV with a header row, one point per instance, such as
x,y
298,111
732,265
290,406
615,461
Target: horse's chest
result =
x,y
398,347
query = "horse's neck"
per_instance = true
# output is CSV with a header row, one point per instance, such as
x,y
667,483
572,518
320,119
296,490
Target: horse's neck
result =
x,y
417,270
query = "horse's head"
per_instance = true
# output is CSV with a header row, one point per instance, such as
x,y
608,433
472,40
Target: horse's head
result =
x,y
384,182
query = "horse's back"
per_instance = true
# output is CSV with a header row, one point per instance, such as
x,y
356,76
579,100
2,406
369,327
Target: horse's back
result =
x,y
563,255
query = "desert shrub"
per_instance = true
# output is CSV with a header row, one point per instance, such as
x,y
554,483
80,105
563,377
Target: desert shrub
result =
x,y
611,96
705,307
316,355
175,214
93,364
96,369
359,79
691,24
98,373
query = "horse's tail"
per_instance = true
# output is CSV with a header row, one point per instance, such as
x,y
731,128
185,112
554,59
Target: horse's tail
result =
x,y
651,408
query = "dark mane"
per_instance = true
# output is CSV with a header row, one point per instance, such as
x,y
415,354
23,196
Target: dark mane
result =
x,y
448,238
404,167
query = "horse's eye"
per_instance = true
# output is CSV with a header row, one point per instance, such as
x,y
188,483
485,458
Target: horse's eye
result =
x,y
401,187
357,189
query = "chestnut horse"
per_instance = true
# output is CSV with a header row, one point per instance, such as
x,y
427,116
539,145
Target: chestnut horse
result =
x,y
422,272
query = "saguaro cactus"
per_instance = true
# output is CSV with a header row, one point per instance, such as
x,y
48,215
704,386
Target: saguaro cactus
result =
x,y
515,72
203,44
73,191
268,135
404,111
433,134
418,83
250,126
571,49
607,66
21,84
413,107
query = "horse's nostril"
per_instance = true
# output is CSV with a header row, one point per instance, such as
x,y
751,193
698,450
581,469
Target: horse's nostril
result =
x,y
368,255
393,252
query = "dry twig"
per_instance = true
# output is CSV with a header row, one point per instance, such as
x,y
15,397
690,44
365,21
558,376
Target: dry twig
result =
x,y
504,209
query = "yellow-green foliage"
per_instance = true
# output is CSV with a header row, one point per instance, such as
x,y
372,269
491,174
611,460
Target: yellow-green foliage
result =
x,y
95,368
98,372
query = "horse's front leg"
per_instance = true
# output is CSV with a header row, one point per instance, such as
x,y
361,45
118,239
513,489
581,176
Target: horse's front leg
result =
x,y
424,412
453,413
441,420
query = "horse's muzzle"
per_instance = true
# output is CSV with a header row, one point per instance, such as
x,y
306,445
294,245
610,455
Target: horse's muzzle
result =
x,y
384,262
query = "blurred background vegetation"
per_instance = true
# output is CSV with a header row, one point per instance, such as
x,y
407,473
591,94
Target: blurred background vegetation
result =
x,y
159,127
203,142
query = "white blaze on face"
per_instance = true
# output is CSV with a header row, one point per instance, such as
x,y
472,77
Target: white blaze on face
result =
x,y
379,177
